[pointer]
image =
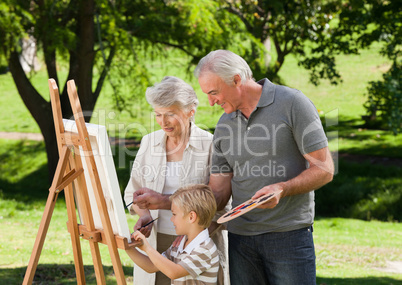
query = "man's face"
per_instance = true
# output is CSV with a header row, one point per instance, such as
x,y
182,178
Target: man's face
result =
x,y
218,92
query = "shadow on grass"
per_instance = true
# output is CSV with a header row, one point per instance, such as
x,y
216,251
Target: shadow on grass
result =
x,y
361,280
59,274
31,189
65,274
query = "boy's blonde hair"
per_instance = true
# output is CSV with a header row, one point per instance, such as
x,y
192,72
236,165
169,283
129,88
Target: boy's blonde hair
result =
x,y
198,198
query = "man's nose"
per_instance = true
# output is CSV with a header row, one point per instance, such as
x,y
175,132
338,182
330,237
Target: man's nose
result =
x,y
211,100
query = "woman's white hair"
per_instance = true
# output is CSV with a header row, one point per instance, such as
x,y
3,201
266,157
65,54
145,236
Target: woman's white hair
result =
x,y
172,91
226,65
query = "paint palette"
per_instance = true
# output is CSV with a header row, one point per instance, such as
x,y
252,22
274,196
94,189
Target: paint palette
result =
x,y
246,206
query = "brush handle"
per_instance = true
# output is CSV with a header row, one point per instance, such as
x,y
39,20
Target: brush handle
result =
x,y
148,224
128,205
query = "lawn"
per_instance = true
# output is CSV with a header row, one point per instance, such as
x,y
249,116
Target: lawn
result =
x,y
349,251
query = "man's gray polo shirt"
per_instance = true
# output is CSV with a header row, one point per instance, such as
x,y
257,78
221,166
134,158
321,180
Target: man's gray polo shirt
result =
x,y
265,149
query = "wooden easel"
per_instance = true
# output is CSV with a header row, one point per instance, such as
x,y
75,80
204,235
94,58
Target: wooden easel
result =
x,y
69,176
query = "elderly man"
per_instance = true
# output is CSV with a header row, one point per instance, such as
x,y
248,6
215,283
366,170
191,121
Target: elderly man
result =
x,y
270,139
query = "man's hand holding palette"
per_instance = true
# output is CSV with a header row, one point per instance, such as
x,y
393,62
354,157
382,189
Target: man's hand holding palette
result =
x,y
247,206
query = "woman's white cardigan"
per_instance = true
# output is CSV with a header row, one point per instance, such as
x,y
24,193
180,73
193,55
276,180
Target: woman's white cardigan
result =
x,y
148,171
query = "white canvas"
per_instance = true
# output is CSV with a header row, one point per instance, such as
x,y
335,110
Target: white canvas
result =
x,y
107,174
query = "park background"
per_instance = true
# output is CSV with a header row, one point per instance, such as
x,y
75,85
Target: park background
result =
x,y
357,230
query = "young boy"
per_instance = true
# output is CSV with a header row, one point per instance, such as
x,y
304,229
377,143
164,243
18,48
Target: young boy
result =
x,y
195,260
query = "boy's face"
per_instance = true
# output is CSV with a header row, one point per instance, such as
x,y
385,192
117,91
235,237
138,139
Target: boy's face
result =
x,y
179,220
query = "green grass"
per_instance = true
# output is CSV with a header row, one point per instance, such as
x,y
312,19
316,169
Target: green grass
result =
x,y
340,106
348,251
354,252
347,97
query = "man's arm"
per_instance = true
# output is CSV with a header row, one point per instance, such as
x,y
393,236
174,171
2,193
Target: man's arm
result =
x,y
220,184
320,172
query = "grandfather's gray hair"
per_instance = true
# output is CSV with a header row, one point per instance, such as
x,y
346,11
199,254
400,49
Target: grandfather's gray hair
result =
x,y
172,91
226,65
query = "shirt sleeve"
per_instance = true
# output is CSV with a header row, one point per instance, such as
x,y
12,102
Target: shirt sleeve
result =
x,y
168,253
307,128
135,178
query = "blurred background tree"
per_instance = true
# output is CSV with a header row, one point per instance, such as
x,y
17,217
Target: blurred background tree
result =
x,y
103,40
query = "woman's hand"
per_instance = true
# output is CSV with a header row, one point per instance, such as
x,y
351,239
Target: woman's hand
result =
x,y
143,220
146,198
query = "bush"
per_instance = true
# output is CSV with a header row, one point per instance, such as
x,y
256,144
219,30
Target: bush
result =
x,y
385,98
362,191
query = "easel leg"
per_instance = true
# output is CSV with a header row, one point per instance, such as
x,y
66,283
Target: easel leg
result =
x,y
86,215
75,240
96,258
40,238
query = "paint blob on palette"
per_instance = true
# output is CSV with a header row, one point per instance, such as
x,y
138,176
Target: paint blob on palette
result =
x,y
246,206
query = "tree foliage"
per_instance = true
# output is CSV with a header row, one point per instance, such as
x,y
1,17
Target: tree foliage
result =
x,y
370,21
106,40
316,31
292,26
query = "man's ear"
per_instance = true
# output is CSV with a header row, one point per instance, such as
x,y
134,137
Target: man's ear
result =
x,y
237,80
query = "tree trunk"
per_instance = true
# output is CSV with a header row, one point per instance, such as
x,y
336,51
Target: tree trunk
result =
x,y
86,55
81,70
40,110
267,45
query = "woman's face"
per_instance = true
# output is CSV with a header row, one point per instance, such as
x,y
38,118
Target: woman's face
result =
x,y
173,120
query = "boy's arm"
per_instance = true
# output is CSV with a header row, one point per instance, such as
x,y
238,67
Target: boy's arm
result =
x,y
166,266
142,260
154,261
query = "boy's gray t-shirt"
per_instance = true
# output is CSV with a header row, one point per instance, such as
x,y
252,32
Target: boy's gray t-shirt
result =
x,y
265,149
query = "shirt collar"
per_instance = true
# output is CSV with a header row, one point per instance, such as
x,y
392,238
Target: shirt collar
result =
x,y
200,238
267,95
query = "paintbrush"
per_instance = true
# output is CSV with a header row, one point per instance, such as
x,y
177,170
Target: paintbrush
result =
x,y
147,224
128,205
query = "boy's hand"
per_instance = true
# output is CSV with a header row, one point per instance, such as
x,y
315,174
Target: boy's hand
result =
x,y
138,236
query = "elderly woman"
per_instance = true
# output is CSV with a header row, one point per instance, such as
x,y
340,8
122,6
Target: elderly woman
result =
x,y
177,155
